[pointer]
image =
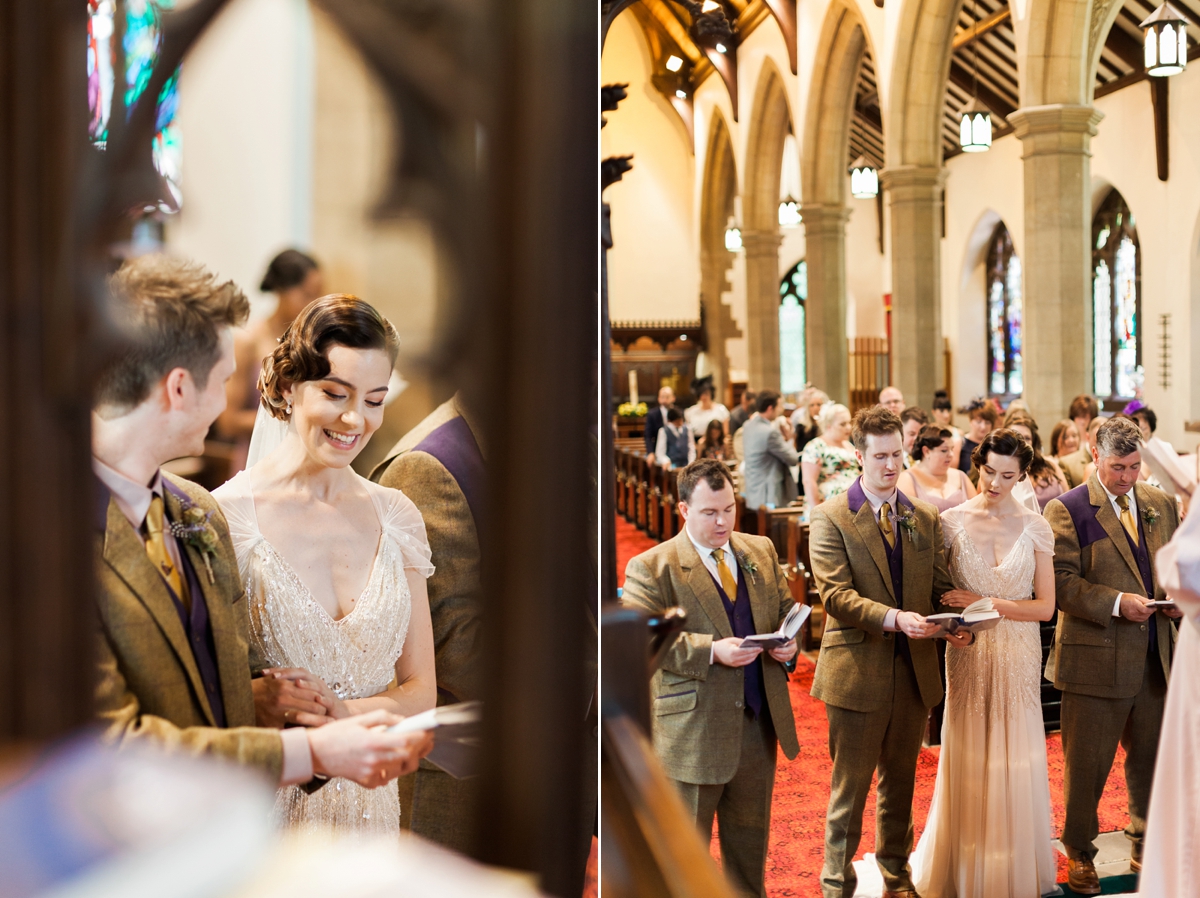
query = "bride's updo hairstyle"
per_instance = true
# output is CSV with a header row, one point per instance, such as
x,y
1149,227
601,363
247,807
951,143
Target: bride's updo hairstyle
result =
x,y
339,319
1004,442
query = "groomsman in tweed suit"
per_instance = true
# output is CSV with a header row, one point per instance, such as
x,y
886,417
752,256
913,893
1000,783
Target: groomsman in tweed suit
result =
x,y
878,561
720,713
1112,650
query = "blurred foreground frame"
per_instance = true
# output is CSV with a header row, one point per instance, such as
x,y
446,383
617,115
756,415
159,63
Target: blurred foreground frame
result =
x,y
495,102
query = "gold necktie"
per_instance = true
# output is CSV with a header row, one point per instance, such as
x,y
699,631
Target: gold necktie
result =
x,y
726,575
885,524
1127,520
156,548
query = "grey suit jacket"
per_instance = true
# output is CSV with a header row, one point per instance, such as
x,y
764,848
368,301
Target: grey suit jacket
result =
x,y
767,459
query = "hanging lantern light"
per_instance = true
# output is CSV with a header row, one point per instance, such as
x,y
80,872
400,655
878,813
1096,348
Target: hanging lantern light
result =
x,y
789,213
733,238
1165,41
975,128
864,179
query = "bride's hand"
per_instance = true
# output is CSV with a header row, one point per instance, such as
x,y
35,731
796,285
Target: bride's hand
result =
x,y
959,598
334,706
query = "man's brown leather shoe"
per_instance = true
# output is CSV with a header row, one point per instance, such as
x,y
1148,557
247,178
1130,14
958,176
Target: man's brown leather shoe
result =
x,y
1081,876
907,893
1135,865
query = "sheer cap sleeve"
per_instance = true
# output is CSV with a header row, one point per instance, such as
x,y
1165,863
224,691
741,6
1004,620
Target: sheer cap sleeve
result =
x,y
1040,534
952,524
404,526
237,504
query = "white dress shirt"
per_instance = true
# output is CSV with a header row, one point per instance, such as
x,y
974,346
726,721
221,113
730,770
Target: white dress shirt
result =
x,y
660,447
134,500
1112,500
706,555
876,503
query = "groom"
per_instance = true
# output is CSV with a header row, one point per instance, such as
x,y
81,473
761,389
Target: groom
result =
x,y
173,655
878,562
1112,650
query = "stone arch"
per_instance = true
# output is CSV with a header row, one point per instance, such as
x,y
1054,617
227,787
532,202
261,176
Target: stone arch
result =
x,y
1063,40
718,192
920,69
770,122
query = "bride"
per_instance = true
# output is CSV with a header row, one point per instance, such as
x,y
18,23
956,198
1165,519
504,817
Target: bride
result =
x,y
988,834
334,566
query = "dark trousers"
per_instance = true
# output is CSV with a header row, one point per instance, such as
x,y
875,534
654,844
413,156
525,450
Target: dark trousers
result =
x,y
861,743
1091,729
742,807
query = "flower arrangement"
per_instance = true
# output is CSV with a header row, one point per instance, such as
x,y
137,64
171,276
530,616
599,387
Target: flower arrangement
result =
x,y
629,410
746,563
1150,516
197,531
907,519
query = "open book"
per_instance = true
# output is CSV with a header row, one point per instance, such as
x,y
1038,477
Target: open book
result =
x,y
455,731
786,633
1172,470
976,617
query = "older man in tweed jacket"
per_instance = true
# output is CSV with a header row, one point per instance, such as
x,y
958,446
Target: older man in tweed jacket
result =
x,y
1112,649
720,712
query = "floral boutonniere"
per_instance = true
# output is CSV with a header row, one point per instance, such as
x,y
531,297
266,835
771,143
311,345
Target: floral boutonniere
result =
x,y
197,531
1150,516
746,563
907,519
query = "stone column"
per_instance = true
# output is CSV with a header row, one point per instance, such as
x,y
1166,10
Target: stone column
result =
x,y
915,194
825,252
1057,263
762,307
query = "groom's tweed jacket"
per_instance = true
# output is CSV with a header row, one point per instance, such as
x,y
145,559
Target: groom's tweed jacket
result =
x,y
149,686
850,565
697,706
1095,653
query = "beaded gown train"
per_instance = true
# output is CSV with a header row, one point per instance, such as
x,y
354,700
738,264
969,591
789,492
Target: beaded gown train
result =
x,y
988,834
355,655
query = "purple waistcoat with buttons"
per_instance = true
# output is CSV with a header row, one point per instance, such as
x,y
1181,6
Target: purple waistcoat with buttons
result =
x,y
742,621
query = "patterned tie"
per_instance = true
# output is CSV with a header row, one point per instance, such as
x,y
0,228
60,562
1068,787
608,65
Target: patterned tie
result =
x,y
1127,520
156,548
726,575
885,524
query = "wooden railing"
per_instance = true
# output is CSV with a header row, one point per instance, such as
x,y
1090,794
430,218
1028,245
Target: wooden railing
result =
x,y
869,363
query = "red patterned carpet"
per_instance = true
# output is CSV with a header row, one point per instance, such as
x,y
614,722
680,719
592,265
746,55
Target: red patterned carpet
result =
x,y
802,785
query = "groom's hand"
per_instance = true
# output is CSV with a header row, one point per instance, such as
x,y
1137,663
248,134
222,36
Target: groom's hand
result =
x,y
361,749
279,701
1135,608
785,653
727,652
914,626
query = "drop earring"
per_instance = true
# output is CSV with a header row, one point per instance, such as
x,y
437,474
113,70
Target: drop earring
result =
x,y
289,407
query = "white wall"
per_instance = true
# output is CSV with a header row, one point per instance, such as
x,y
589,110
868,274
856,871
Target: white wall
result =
x,y
654,265
246,105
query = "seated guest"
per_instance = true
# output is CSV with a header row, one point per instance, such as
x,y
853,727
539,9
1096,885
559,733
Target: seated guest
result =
x,y
705,409
1044,477
676,446
892,399
1147,423
173,634
804,419
982,417
1089,444
742,413
1083,411
656,420
721,713
829,465
1064,441
943,415
768,457
913,418
933,475
713,444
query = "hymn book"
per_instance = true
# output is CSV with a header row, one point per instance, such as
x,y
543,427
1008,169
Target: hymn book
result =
x,y
455,732
786,633
975,618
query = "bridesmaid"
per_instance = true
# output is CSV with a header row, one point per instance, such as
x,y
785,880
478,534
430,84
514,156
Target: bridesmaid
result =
x,y
933,477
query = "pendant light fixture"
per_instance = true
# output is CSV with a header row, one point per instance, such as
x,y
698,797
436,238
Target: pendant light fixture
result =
x,y
1165,41
864,179
733,236
789,213
975,119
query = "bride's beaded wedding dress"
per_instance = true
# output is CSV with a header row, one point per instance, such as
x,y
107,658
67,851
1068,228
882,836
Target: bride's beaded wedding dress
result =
x,y
988,834
355,655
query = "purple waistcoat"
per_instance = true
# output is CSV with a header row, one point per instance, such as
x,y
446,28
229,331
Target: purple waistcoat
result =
x,y
742,621
454,446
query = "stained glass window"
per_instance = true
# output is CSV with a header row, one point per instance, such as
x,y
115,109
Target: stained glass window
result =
x,y
1116,300
1005,316
139,41
793,295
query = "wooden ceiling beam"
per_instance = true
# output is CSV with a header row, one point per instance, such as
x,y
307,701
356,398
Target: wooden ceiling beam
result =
x,y
1124,47
1001,107
964,36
